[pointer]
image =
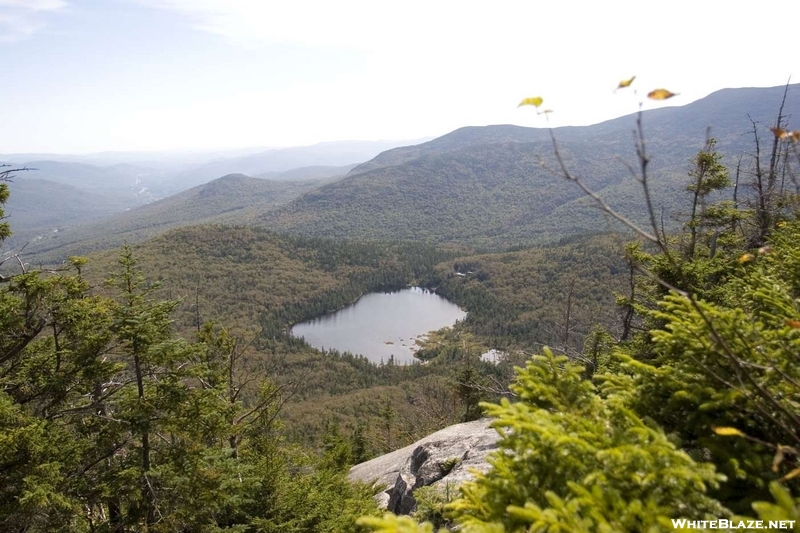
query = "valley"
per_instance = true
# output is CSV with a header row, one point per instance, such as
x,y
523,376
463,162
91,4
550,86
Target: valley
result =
x,y
307,318
257,256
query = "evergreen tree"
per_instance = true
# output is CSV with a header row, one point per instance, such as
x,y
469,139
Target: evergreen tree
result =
x,y
110,422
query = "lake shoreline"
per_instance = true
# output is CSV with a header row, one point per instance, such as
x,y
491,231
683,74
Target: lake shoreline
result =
x,y
382,325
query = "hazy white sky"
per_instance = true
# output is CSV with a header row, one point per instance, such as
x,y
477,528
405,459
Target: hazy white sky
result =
x,y
95,75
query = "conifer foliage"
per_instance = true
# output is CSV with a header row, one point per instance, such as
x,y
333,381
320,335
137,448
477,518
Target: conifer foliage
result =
x,y
111,422
691,414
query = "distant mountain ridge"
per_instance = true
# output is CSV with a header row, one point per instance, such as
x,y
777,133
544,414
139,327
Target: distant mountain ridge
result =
x,y
725,112
230,199
333,154
310,172
489,187
53,194
121,181
119,186
39,207
498,186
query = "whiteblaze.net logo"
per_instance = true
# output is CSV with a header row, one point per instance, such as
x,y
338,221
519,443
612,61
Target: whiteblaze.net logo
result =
x,y
722,523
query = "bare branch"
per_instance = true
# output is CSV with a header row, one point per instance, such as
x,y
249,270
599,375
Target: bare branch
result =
x,y
594,196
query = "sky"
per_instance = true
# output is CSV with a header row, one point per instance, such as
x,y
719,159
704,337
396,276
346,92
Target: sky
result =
x,y
82,76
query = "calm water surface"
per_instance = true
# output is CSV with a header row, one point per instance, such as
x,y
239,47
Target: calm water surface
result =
x,y
382,324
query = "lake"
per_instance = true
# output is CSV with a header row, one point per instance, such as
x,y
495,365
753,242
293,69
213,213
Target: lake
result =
x,y
382,324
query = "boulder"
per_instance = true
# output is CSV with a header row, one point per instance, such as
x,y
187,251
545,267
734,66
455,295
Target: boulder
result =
x,y
444,458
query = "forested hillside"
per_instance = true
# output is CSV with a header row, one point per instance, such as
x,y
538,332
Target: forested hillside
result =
x,y
552,295
499,186
40,208
252,281
234,199
490,187
53,195
313,172
674,133
244,274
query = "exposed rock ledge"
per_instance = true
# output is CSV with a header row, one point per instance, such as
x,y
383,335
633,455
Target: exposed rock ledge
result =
x,y
440,458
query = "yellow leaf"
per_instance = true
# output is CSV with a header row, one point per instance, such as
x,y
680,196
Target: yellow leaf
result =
x,y
794,473
780,133
660,94
626,83
728,432
784,135
535,101
746,258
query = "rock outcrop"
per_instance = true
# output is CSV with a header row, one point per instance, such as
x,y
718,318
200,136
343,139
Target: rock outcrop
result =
x,y
442,458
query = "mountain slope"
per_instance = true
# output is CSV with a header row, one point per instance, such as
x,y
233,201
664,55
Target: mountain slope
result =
x,y
463,196
307,173
497,186
38,206
128,185
283,159
683,127
227,199
55,194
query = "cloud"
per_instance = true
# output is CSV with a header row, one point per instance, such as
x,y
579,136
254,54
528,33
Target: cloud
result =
x,y
19,19
450,57
34,5
299,22
349,24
